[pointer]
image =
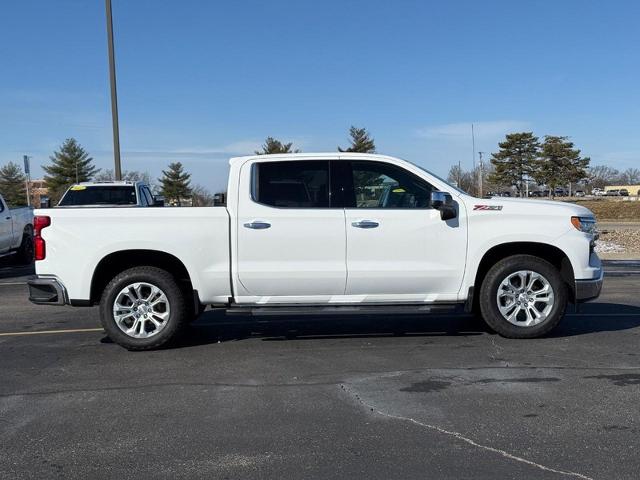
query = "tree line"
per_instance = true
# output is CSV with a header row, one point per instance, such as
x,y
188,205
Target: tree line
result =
x,y
523,162
71,163
521,159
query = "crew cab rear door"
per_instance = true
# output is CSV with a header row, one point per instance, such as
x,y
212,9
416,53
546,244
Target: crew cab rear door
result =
x,y
290,239
398,248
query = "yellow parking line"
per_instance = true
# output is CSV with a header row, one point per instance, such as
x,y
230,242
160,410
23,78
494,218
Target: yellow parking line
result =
x,y
39,332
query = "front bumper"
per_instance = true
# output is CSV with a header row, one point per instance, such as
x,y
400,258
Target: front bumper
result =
x,y
47,291
589,289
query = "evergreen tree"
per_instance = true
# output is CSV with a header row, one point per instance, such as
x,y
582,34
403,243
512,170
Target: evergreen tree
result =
x,y
69,165
361,141
174,183
271,145
12,185
515,161
560,164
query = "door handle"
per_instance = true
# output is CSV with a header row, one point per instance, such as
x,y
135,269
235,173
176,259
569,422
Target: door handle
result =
x,y
257,225
365,224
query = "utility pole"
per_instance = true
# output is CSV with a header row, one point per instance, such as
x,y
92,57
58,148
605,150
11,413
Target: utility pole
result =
x,y
480,193
114,94
27,171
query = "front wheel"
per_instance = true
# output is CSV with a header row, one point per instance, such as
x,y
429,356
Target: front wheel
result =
x,y
143,308
523,296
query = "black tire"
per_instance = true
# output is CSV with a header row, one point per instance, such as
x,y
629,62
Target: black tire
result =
x,y
489,291
24,255
178,315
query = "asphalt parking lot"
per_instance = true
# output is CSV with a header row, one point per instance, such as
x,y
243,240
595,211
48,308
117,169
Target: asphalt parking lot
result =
x,y
334,397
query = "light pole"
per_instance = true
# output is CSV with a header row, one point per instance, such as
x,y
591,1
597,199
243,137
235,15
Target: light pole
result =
x,y
114,94
27,171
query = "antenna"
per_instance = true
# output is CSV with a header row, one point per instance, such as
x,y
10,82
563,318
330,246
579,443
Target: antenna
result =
x,y
480,193
473,143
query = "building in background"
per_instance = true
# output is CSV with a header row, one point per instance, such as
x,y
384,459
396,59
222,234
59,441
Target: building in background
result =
x,y
39,193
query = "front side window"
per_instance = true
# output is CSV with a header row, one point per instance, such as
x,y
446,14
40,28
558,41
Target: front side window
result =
x,y
382,185
296,184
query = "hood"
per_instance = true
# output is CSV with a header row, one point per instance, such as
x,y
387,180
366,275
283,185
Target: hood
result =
x,y
527,206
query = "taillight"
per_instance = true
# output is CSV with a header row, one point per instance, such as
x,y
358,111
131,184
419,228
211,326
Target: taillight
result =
x,y
39,245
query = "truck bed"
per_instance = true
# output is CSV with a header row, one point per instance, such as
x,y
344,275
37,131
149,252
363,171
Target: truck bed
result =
x,y
82,238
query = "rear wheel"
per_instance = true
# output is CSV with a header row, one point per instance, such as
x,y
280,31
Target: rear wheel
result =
x,y
24,255
523,296
143,308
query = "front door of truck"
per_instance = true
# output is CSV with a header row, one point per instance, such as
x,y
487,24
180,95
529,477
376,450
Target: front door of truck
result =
x,y
290,241
398,248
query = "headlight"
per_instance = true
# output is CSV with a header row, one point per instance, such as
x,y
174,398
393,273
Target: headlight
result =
x,y
585,224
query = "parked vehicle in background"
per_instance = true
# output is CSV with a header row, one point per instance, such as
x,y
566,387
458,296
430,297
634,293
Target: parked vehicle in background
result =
x,y
598,192
536,193
612,193
320,233
624,192
16,232
110,194
560,192
579,193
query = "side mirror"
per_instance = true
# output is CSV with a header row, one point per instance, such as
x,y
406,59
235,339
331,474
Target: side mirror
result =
x,y
158,201
444,202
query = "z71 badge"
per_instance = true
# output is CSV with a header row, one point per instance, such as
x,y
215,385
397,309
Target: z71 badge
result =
x,y
487,207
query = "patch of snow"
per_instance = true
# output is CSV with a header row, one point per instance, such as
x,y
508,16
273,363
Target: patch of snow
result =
x,y
608,247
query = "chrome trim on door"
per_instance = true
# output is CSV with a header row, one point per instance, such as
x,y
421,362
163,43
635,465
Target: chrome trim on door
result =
x,y
257,225
365,224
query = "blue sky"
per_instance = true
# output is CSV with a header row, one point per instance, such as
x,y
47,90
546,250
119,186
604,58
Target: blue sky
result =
x,y
200,81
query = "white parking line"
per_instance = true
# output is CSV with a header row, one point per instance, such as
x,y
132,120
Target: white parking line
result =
x,y
42,332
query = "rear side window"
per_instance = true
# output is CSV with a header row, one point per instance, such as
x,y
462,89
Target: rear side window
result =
x,y
99,195
296,184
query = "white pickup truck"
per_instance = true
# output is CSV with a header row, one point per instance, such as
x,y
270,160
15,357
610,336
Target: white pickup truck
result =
x,y
16,231
320,233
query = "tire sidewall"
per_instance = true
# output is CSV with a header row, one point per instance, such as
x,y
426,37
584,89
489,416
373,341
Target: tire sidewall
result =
x,y
489,290
153,276
25,251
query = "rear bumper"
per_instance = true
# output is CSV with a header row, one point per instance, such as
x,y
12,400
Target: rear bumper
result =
x,y
588,289
47,291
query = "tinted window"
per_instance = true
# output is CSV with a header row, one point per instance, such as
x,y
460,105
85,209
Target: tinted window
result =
x,y
107,195
147,193
382,185
301,184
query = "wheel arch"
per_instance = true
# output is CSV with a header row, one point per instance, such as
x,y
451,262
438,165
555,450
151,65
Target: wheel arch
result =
x,y
119,261
545,251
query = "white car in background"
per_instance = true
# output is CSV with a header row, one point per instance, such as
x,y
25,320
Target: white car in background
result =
x,y
16,232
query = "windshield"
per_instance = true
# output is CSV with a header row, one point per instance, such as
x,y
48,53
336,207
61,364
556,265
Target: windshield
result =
x,y
99,195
